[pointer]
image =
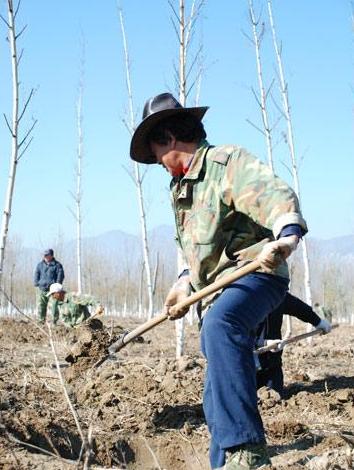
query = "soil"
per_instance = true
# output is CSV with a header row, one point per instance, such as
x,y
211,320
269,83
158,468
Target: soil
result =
x,y
142,410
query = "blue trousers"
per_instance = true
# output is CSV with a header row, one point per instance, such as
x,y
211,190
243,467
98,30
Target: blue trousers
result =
x,y
227,342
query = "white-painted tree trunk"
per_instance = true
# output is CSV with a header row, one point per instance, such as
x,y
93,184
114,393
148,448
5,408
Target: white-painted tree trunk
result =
x,y
262,102
78,198
138,178
180,323
16,144
14,136
262,90
290,140
184,32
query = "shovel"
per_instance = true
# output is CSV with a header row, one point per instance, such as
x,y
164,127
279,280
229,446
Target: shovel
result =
x,y
214,287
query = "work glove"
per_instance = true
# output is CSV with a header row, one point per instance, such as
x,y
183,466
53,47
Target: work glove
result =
x,y
277,343
324,325
180,290
274,253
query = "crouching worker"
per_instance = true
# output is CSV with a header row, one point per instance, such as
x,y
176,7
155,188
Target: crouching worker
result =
x,y
74,308
269,365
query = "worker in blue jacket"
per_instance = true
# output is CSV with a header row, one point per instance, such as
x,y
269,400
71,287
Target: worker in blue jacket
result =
x,y
47,272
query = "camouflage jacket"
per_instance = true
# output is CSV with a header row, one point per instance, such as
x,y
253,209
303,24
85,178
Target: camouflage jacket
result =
x,y
225,206
74,307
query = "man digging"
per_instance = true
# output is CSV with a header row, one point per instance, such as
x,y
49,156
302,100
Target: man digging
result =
x,y
229,209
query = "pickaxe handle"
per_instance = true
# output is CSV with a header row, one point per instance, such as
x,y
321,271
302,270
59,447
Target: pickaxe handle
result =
x,y
214,287
292,339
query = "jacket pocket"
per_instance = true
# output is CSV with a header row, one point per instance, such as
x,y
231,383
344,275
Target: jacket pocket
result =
x,y
202,226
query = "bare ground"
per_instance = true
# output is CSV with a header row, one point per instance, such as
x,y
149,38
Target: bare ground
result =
x,y
143,411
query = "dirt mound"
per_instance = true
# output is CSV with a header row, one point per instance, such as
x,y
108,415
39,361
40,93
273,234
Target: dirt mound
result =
x,y
143,409
89,341
141,398
25,332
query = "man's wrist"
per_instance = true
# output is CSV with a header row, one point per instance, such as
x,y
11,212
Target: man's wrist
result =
x,y
291,229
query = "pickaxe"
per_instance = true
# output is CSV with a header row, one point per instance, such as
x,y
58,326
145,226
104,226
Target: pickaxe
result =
x,y
280,345
127,337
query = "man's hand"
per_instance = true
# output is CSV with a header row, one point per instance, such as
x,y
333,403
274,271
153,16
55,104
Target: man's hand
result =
x,y
274,253
99,310
324,325
178,292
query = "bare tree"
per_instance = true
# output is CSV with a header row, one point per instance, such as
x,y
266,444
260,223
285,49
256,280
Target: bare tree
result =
x,y
258,32
185,28
136,176
18,145
77,196
290,141
262,101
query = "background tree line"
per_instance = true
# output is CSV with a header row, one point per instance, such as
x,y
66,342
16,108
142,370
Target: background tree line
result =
x,y
113,272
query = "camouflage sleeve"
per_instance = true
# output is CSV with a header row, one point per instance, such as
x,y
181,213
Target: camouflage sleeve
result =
x,y
86,299
259,194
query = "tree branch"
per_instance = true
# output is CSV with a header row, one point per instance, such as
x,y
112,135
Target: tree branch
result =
x,y
5,21
256,127
85,441
17,9
174,11
24,150
175,28
251,40
8,125
19,34
27,134
26,104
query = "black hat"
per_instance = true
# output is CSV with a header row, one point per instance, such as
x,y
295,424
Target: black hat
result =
x,y
155,110
48,252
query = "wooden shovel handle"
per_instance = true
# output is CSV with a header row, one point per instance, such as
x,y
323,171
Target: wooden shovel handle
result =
x,y
193,298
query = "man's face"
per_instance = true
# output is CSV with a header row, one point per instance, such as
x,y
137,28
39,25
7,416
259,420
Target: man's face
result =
x,y
48,258
167,156
58,295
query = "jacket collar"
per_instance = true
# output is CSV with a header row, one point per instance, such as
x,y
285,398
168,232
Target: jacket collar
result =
x,y
198,160
196,164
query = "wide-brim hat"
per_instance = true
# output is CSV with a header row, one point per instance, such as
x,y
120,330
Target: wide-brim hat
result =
x,y
155,110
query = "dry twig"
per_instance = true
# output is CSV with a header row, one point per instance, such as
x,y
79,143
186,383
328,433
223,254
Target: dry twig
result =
x,y
85,441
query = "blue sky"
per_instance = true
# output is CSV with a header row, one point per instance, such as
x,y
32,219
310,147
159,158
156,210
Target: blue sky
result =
x,y
317,41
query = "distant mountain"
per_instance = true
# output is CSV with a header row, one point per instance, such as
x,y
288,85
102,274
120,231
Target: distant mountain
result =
x,y
119,249
339,246
162,239
119,245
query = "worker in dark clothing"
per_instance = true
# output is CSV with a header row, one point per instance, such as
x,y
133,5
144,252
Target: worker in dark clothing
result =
x,y
47,272
269,364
